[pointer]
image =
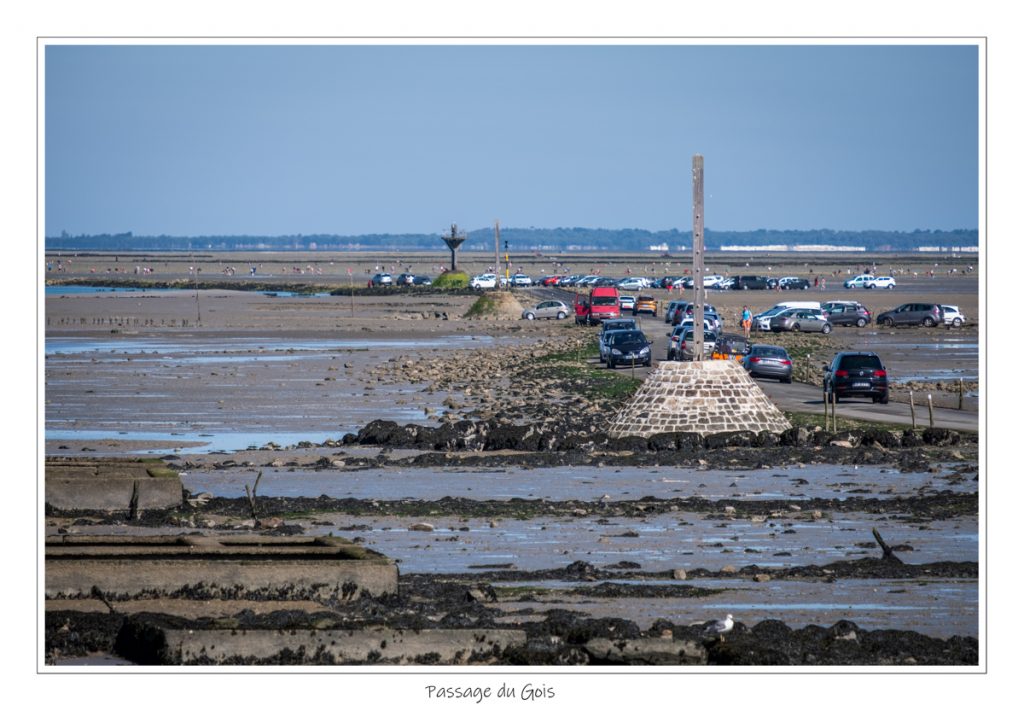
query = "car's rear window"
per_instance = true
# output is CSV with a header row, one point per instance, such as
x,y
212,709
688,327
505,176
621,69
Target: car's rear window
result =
x,y
861,361
768,352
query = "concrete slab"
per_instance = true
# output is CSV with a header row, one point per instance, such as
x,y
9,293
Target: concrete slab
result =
x,y
220,567
160,644
110,485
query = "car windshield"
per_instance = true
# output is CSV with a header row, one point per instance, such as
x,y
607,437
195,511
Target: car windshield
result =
x,y
709,337
861,361
629,340
619,325
604,301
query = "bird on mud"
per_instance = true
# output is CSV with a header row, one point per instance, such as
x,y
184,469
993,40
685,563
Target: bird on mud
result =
x,y
719,628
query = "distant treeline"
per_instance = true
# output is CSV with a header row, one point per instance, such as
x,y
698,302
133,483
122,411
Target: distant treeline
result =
x,y
520,239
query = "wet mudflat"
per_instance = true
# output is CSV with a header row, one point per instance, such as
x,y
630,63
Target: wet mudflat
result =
x,y
582,482
597,541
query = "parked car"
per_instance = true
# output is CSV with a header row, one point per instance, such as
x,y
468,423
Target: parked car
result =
x,y
626,302
812,320
547,309
484,281
846,313
686,311
726,283
521,280
794,283
768,362
405,279
670,310
611,326
676,335
915,314
628,348
382,279
750,282
870,281
422,281
762,321
952,316
730,346
550,280
645,305
686,350
856,374
632,284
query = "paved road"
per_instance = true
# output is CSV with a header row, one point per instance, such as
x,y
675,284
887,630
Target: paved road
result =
x,y
799,397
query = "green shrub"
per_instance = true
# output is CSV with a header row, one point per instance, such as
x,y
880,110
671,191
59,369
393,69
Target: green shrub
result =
x,y
452,280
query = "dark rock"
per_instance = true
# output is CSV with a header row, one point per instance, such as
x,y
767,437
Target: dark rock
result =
x,y
939,436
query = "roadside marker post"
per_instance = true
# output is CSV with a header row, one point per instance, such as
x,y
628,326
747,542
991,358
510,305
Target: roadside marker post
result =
x,y
913,413
931,413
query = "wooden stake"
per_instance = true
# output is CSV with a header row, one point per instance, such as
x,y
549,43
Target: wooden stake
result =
x,y
931,413
913,413
960,404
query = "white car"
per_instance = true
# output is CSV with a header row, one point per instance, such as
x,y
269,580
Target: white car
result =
x,y
870,281
484,281
521,280
952,316
626,302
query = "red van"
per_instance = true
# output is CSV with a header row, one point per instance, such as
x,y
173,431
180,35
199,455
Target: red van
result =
x,y
601,304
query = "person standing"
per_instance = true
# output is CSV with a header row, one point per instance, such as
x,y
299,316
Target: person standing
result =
x,y
747,320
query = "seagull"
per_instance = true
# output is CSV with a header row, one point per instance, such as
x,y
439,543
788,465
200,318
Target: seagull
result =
x,y
720,628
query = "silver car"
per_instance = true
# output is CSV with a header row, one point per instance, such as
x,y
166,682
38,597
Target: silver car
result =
x,y
801,320
769,362
547,309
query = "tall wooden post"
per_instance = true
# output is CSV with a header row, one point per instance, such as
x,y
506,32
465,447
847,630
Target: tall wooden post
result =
x,y
497,254
698,257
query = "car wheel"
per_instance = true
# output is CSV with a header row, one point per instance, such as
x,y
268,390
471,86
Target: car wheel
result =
x,y
805,288
787,381
861,323
957,323
669,355
530,317
611,364
796,327
561,315
889,287
826,329
880,399
929,321
887,322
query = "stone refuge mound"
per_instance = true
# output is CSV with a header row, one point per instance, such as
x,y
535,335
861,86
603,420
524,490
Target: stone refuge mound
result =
x,y
704,397
496,306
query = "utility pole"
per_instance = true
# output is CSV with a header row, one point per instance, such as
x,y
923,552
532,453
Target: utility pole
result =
x,y
698,257
497,254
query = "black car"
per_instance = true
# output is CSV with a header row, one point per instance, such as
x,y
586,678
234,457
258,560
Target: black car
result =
x,y
794,283
750,282
627,348
856,374
422,281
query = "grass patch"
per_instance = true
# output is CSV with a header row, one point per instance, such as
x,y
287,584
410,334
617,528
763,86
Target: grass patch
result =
x,y
809,421
451,280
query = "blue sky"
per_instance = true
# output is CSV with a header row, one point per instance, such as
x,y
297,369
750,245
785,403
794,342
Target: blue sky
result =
x,y
268,140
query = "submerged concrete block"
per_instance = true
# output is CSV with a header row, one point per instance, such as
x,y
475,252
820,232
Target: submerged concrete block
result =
x,y
110,485
153,642
229,567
